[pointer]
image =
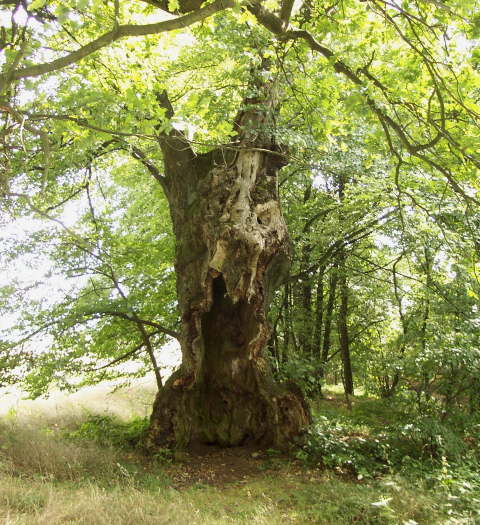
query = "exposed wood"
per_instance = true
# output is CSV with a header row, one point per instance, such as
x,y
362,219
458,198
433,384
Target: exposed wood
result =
x,y
232,252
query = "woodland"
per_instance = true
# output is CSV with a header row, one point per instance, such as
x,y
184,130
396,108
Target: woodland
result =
x,y
287,190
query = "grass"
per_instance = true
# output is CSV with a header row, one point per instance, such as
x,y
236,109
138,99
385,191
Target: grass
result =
x,y
372,412
328,500
56,469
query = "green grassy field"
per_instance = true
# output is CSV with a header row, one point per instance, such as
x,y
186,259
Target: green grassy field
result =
x,y
77,465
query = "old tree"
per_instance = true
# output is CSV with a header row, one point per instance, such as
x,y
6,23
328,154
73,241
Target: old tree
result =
x,y
211,100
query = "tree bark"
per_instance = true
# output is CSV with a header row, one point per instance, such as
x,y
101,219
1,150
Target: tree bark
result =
x,y
342,322
329,314
343,335
232,252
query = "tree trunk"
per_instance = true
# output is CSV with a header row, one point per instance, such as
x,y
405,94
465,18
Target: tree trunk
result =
x,y
329,315
342,321
317,328
232,252
389,387
426,315
305,289
287,323
344,339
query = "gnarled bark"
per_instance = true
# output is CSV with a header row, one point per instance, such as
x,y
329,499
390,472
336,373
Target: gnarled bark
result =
x,y
232,252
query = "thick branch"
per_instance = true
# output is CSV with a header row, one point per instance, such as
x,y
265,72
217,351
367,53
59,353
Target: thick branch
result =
x,y
184,6
286,11
177,152
123,31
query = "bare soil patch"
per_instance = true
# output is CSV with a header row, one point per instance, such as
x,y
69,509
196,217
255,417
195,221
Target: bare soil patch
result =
x,y
211,465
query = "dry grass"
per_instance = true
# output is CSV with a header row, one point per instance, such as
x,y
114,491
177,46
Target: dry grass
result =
x,y
31,442
46,504
267,501
103,398
47,479
29,451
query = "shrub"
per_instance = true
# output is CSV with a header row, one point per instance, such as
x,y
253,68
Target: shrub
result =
x,y
344,448
108,430
304,372
424,442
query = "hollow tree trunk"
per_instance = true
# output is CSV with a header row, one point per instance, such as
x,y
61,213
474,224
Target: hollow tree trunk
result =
x,y
232,251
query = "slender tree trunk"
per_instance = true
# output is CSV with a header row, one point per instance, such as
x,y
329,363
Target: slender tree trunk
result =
x,y
306,325
274,345
390,387
344,339
326,342
329,315
426,315
232,252
305,333
343,328
287,324
317,328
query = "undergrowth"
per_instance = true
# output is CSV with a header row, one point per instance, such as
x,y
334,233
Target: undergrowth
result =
x,y
109,430
372,465
377,438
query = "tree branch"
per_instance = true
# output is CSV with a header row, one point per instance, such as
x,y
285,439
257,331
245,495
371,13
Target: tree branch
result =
x,y
123,31
136,319
139,155
126,354
286,11
275,25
